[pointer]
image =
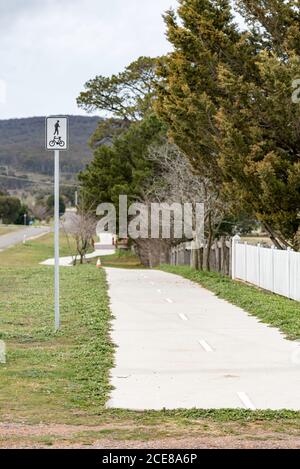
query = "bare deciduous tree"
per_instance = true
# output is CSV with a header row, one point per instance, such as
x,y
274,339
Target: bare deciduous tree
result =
x,y
81,226
39,211
175,181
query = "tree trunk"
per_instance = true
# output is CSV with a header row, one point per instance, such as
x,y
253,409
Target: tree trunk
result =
x,y
209,243
150,251
273,236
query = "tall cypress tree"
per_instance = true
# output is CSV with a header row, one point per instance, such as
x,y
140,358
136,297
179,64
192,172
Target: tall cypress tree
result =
x,y
259,125
204,37
226,96
276,20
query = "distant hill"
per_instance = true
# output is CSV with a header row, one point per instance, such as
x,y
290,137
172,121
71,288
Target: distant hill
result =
x,y
22,147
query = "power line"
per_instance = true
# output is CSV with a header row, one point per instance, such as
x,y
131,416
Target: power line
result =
x,y
37,182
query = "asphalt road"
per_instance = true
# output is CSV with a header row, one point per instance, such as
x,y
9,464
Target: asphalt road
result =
x,y
16,237
179,346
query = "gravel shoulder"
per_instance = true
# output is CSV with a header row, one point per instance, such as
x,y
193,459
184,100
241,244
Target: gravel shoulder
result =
x,y
110,437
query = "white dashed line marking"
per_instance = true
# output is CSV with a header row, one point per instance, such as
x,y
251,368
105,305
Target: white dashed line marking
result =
x,y
244,398
168,300
158,291
183,317
205,346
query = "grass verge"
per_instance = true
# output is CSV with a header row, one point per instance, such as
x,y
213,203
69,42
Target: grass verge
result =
x,y
271,309
122,259
48,376
33,252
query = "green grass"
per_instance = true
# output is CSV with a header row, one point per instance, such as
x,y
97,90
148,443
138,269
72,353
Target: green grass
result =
x,y
122,259
271,309
35,251
48,376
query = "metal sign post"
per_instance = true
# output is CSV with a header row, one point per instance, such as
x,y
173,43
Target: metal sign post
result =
x,y
56,139
56,239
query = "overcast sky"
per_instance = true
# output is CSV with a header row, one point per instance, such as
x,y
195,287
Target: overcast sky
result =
x,y
50,48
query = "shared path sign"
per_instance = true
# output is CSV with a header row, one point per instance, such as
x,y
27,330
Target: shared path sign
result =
x,y
57,138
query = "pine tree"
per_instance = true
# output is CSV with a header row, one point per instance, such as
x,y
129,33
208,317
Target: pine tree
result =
x,y
127,95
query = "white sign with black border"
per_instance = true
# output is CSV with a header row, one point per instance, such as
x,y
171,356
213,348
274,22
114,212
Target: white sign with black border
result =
x,y
57,133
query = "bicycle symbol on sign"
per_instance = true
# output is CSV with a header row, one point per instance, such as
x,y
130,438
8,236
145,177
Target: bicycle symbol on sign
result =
x,y
57,141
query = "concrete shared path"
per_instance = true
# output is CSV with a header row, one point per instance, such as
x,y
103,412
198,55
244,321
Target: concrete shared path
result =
x,y
17,237
179,346
68,261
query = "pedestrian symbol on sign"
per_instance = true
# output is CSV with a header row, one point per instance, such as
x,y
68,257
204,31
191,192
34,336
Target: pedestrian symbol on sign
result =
x,y
57,126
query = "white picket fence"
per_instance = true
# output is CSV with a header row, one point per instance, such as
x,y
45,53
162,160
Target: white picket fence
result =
x,y
271,269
